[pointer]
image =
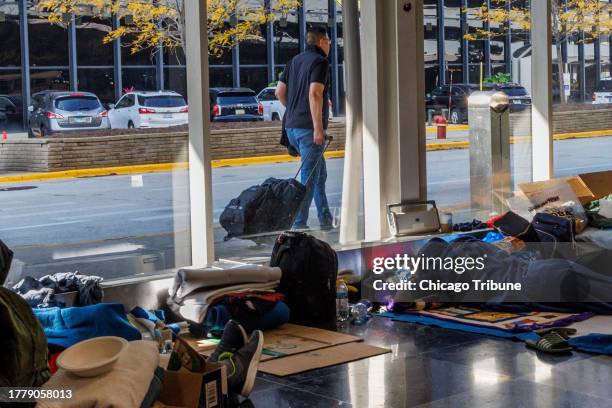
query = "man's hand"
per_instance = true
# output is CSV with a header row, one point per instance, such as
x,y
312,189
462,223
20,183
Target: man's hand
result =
x,y
319,136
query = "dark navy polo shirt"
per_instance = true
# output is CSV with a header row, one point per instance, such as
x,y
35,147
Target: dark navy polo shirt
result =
x,y
304,69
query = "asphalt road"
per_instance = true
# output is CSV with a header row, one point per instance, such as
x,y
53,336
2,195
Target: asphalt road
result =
x,y
52,223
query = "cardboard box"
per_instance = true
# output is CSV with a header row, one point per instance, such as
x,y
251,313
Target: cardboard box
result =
x,y
190,381
587,186
185,389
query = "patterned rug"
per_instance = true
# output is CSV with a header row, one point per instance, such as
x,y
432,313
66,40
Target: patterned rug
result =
x,y
507,321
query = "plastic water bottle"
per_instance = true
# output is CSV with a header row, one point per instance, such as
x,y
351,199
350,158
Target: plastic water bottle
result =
x,y
342,305
360,311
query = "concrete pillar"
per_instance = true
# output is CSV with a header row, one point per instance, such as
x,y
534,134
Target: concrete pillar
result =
x,y
25,60
200,171
541,91
72,54
353,153
394,109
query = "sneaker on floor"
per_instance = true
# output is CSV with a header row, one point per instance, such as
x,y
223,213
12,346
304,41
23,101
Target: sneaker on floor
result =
x,y
242,365
233,338
300,228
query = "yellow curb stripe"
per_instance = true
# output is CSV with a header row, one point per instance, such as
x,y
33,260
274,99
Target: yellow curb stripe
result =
x,y
246,161
434,129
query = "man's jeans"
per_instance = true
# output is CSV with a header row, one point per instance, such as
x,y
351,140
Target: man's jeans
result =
x,y
303,141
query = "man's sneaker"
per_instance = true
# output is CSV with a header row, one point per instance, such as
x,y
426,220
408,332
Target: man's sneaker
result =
x,y
242,365
233,338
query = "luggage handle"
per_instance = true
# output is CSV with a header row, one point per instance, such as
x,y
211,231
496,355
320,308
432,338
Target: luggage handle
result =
x,y
329,140
411,202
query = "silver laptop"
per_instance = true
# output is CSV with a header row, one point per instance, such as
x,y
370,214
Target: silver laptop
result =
x,y
413,218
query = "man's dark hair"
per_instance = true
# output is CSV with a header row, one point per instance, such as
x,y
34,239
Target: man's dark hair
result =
x,y
314,35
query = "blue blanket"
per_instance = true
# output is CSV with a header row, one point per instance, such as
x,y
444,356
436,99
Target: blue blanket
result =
x,y
68,326
591,343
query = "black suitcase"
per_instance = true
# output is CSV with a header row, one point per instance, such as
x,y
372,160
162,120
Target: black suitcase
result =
x,y
266,208
309,271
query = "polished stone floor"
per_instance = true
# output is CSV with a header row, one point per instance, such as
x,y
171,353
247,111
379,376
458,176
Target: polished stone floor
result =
x,y
433,367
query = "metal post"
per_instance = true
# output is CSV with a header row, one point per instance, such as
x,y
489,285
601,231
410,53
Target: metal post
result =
x,y
270,45
581,69
159,67
597,56
441,45
25,60
236,66
508,43
72,54
159,59
302,26
487,45
335,82
541,91
465,47
490,172
200,170
235,58
353,155
117,71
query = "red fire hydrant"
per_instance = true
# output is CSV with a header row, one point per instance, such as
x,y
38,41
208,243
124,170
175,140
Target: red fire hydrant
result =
x,y
441,124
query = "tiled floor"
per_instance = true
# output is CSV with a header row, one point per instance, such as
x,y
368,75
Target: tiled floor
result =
x,y
442,368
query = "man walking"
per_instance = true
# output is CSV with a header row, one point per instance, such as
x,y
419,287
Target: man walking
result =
x,y
303,89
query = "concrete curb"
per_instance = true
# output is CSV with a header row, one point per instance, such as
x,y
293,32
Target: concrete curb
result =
x,y
246,161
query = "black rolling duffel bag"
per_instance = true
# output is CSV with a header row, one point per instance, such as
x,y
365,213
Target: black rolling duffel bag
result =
x,y
269,207
310,269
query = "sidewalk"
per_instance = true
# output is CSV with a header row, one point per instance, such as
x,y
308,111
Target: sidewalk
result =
x,y
457,138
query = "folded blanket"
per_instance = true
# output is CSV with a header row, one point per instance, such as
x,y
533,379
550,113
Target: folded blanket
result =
x,y
188,280
195,306
126,385
65,327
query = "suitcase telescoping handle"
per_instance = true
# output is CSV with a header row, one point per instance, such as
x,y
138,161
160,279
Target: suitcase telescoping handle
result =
x,y
329,139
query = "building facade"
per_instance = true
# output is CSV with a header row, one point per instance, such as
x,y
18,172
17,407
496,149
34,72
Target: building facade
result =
x,y
36,55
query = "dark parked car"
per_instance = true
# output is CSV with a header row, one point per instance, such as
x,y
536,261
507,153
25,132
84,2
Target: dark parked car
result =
x,y
234,105
53,111
457,97
519,98
11,111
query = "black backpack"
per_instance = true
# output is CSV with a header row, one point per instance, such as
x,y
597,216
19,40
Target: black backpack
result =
x,y
309,270
23,360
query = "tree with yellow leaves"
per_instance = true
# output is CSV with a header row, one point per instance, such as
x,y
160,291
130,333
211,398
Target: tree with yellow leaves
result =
x,y
147,23
584,20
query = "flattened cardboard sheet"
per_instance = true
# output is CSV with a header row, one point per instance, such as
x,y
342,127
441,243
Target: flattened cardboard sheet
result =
x,y
289,339
320,358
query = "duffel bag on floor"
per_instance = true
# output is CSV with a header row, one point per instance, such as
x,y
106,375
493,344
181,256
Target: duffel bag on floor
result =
x,y
309,271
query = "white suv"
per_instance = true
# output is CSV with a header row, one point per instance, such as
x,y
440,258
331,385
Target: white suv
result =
x,y
273,109
603,93
148,110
